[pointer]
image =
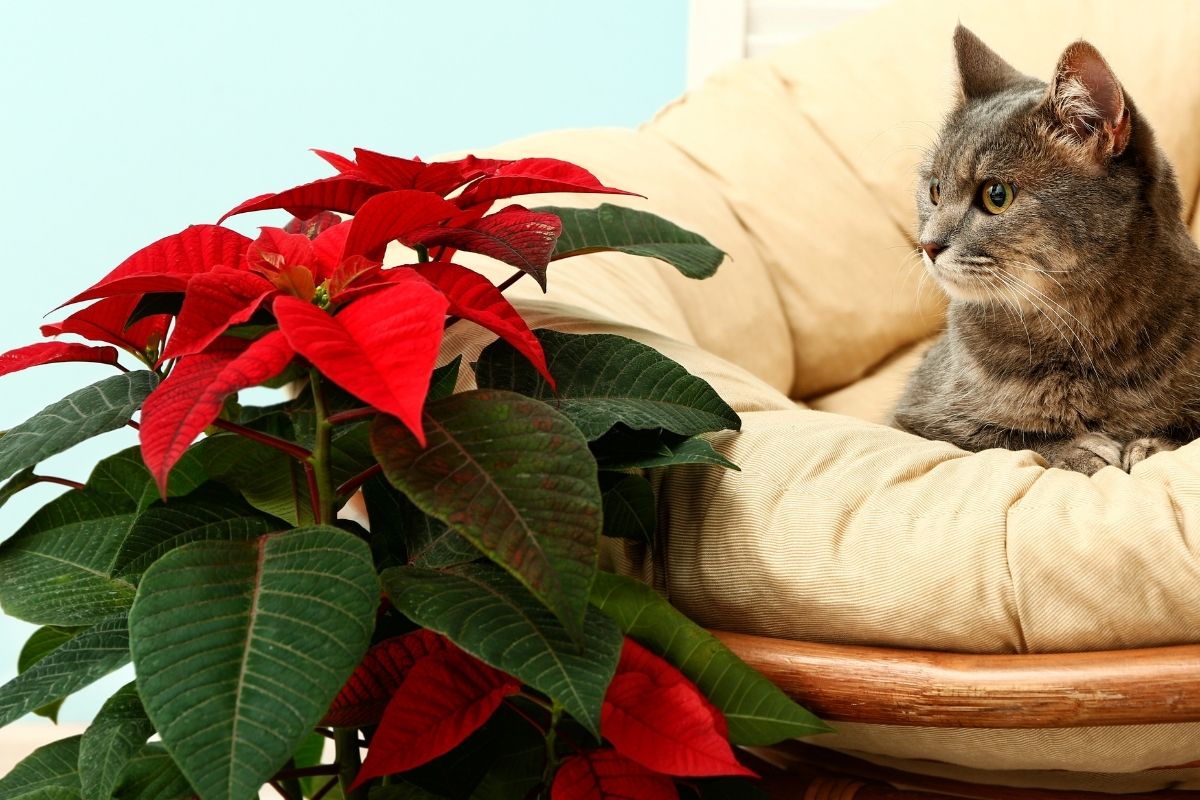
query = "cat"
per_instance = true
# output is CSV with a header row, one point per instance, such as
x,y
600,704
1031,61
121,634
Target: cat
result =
x,y
1053,221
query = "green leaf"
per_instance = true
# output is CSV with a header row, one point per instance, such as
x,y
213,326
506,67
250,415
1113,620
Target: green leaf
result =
x,y
124,479
203,516
44,641
153,775
488,614
89,655
240,647
622,448
603,379
402,533
96,409
630,510
48,773
443,380
757,711
58,568
640,233
514,477
22,480
114,737
269,480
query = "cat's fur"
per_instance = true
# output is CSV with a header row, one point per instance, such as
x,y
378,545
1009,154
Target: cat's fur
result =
x,y
1074,318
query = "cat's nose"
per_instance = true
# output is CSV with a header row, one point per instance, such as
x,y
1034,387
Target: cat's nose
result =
x,y
932,249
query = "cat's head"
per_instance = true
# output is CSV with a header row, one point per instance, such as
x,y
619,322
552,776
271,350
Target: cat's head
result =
x,y
1034,187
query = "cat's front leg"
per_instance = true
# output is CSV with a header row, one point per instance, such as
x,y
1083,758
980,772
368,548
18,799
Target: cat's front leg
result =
x,y
1139,450
1087,453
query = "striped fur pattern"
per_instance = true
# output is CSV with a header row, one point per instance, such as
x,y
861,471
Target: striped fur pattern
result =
x,y
1072,325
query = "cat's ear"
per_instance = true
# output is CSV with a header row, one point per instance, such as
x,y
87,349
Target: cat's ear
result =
x,y
980,71
1087,98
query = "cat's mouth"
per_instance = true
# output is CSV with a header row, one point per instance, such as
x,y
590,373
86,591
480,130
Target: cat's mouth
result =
x,y
973,280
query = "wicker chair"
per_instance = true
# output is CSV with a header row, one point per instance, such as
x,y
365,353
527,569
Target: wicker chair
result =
x,y
911,687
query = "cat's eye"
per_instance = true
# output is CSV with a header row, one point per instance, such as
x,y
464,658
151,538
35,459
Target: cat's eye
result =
x,y
997,196
935,191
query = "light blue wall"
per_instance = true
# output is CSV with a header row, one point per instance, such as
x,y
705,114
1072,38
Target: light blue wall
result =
x,y
121,122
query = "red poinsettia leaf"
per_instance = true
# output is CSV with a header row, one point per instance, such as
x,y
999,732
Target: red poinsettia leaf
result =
x,y
368,690
340,163
340,193
445,698
193,250
446,176
655,716
390,216
533,176
473,297
275,248
381,348
133,285
190,398
515,235
34,355
356,275
105,321
607,775
314,225
213,302
328,249
390,171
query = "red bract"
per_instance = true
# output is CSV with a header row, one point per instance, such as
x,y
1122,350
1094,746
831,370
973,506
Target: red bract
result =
x,y
439,177
213,302
277,262
392,215
385,666
655,716
312,226
54,352
533,176
381,348
515,235
473,297
105,321
339,193
190,399
607,775
167,264
445,698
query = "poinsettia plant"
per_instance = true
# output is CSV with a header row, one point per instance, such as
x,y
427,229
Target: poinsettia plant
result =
x,y
385,559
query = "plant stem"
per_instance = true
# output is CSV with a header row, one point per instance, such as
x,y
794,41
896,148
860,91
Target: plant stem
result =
x,y
289,784
551,757
351,415
358,480
346,741
323,501
511,279
308,772
59,481
282,445
422,253
324,790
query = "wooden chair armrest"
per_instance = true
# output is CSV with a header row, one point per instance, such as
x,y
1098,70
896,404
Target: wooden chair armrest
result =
x,y
953,690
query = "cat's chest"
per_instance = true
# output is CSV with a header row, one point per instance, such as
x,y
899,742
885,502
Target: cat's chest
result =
x,y
1041,399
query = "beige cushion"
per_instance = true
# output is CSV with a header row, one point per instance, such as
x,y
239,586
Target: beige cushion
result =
x,y
836,528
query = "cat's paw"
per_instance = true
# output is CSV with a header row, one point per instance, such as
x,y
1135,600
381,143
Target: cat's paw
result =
x,y
1139,450
1088,453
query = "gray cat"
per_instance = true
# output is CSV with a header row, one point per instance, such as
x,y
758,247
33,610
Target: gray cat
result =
x,y
1053,221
